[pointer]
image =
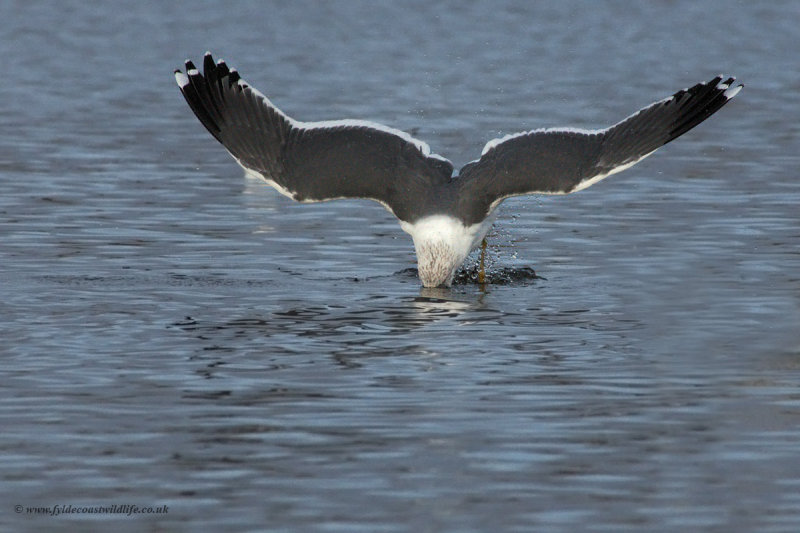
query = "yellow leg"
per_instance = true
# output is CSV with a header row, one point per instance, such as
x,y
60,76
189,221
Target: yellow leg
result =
x,y
482,272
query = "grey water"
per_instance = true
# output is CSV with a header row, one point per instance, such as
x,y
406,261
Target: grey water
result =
x,y
175,335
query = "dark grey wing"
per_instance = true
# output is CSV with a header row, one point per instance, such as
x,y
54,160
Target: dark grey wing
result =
x,y
562,160
311,161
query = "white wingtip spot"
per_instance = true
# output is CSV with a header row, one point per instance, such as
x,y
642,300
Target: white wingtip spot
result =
x,y
732,91
192,72
182,79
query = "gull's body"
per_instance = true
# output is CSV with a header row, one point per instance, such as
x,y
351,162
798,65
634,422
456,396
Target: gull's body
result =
x,y
447,215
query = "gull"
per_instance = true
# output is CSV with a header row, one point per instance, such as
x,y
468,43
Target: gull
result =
x,y
447,213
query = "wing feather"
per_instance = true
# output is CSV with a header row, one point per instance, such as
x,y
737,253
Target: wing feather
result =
x,y
564,160
312,161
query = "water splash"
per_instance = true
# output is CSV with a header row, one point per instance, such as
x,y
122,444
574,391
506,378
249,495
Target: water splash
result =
x,y
493,276
496,276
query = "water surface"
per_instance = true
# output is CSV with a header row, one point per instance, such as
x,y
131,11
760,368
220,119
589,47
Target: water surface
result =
x,y
177,334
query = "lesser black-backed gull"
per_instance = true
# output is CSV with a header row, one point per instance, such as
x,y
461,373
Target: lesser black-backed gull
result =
x,y
447,214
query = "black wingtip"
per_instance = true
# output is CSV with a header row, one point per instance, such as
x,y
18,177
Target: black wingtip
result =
x,y
729,89
196,88
233,77
222,69
208,63
702,101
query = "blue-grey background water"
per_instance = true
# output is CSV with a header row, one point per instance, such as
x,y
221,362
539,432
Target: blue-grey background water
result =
x,y
174,333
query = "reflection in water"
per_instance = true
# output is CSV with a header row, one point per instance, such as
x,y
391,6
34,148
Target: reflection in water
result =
x,y
332,321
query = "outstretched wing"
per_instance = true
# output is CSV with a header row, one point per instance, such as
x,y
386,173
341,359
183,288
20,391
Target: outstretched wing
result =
x,y
563,160
311,161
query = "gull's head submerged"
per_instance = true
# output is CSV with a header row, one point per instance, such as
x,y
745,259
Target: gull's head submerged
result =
x,y
442,244
437,262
